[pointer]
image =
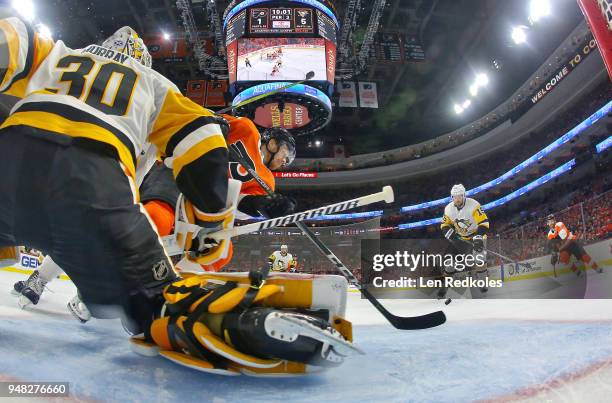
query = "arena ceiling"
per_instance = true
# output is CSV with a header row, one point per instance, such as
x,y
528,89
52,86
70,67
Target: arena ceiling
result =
x,y
461,38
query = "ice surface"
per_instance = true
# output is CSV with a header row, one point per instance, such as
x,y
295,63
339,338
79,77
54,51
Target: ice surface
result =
x,y
489,349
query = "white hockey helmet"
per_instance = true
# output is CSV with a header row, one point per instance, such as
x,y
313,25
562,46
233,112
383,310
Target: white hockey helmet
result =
x,y
284,247
125,40
458,190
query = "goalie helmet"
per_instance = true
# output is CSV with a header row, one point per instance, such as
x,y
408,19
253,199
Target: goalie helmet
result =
x,y
282,137
125,40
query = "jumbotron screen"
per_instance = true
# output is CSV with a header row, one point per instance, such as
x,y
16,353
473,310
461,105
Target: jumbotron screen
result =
x,y
271,59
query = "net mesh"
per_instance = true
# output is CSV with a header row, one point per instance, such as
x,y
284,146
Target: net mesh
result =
x,y
345,241
606,9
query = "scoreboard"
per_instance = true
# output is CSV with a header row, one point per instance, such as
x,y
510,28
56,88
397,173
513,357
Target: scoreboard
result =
x,y
281,20
272,43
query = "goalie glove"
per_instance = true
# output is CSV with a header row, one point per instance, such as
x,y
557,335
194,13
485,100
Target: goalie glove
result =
x,y
193,226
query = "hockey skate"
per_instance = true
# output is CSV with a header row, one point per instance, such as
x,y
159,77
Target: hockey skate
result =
x,y
30,290
78,309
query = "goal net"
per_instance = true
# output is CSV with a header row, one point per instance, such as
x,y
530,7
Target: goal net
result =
x,y
253,250
599,16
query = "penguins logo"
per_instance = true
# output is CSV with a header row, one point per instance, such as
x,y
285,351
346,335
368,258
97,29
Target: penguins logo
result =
x,y
463,224
303,13
160,270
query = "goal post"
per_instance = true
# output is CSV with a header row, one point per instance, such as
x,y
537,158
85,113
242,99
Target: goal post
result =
x,y
599,16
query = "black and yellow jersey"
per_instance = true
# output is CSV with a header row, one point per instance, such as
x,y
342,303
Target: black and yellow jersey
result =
x,y
465,220
106,96
282,262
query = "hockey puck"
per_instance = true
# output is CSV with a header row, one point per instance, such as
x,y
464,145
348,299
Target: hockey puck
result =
x,y
448,301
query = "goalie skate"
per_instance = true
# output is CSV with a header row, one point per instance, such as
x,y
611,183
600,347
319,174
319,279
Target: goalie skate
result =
x,y
289,326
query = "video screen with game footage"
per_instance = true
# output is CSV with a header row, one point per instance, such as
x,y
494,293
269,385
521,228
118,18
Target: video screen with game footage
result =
x,y
288,47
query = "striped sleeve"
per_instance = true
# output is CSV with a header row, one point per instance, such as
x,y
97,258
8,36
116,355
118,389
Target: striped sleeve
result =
x,y
446,222
192,140
22,51
480,217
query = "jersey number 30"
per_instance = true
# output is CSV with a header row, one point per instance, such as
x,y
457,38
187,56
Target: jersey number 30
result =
x,y
111,89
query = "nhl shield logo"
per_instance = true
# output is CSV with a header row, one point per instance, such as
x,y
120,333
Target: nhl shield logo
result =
x,y
161,270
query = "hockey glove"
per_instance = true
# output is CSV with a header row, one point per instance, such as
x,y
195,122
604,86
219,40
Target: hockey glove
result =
x,y
194,228
449,233
478,243
276,205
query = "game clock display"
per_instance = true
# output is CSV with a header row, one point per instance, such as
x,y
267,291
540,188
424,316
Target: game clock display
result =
x,y
281,20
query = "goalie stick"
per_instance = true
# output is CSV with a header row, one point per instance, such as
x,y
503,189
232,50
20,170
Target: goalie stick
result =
x,y
399,322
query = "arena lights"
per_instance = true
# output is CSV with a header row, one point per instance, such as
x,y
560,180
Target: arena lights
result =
x,y
166,35
482,80
588,122
458,109
503,200
604,145
474,89
538,9
466,104
519,34
25,8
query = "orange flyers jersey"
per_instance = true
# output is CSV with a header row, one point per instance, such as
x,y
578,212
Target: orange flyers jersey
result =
x,y
244,134
561,231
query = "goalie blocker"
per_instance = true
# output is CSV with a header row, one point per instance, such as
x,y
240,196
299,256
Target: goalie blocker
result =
x,y
221,323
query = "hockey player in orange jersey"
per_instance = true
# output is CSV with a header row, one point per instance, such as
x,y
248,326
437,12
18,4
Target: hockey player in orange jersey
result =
x,y
563,244
265,153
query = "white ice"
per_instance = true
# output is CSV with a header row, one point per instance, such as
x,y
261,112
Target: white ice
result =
x,y
508,350
295,64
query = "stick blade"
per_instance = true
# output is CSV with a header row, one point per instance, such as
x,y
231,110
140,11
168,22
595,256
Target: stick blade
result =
x,y
388,194
419,322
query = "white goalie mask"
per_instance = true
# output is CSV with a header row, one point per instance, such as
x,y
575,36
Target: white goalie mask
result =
x,y
125,40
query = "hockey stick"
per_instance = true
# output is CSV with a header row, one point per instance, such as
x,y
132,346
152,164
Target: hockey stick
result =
x,y
404,323
386,194
506,258
309,75
172,247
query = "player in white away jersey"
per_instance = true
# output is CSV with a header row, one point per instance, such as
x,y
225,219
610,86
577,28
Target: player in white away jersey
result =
x,y
465,226
282,260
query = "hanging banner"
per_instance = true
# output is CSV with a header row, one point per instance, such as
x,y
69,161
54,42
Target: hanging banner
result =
x,y
368,97
215,94
232,60
330,60
196,91
348,95
173,50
